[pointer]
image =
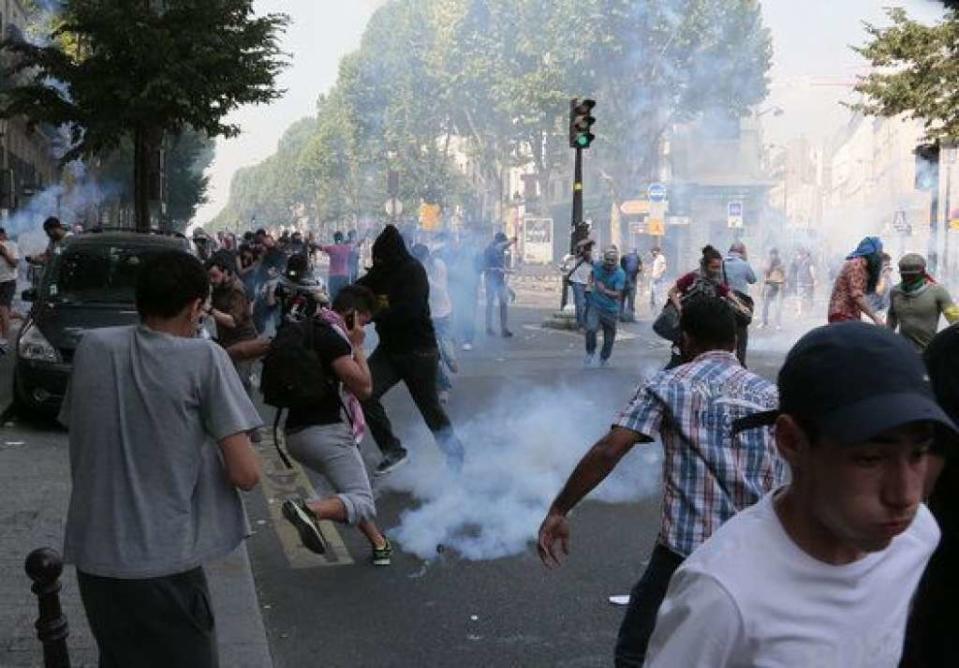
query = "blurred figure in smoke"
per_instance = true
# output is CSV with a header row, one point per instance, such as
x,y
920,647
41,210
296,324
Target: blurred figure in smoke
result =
x,y
917,303
804,269
9,260
606,290
879,300
441,310
56,233
632,264
339,252
465,264
406,352
931,639
496,290
657,276
354,259
579,278
739,275
708,474
858,277
774,286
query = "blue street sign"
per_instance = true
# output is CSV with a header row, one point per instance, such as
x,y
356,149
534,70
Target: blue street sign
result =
x,y
657,192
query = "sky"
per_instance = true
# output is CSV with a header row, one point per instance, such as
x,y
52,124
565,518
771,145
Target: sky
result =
x,y
812,67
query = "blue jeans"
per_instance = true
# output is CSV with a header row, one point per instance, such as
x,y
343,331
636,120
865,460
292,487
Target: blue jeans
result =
x,y
579,300
596,318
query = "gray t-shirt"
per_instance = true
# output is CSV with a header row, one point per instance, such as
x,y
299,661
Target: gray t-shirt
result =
x,y
918,312
150,493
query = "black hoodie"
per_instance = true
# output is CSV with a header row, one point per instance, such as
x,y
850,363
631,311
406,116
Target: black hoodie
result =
x,y
403,323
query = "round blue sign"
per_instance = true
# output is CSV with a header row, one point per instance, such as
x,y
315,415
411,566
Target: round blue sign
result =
x,y
657,192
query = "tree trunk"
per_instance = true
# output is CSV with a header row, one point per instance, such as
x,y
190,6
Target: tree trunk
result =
x,y
141,180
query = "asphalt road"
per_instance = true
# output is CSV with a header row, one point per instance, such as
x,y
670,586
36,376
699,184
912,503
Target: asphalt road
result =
x,y
449,610
526,410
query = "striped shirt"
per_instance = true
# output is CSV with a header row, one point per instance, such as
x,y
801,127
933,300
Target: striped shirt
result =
x,y
708,474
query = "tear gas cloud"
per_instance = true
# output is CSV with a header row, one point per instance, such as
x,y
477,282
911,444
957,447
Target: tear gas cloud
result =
x,y
520,450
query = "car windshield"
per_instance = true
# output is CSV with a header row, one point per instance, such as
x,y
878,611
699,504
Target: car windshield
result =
x,y
97,274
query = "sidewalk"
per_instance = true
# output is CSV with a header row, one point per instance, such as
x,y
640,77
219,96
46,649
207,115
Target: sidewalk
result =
x,y
34,492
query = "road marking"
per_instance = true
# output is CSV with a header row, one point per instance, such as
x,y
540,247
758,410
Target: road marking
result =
x,y
620,334
279,482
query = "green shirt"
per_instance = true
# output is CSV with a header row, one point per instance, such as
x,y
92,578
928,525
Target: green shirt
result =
x,y
917,313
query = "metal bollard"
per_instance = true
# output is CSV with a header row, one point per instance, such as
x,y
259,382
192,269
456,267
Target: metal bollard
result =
x,y
44,567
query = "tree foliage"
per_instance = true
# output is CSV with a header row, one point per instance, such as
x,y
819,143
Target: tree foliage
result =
x,y
916,72
491,79
117,69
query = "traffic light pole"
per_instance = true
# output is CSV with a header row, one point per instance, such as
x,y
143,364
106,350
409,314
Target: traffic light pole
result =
x,y
577,223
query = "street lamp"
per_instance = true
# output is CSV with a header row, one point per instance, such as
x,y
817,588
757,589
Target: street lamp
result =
x,y
774,110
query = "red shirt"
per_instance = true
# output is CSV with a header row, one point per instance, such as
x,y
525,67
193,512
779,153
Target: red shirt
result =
x,y
850,285
687,281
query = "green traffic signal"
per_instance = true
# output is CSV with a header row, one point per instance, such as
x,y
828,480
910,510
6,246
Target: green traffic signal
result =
x,y
584,140
580,123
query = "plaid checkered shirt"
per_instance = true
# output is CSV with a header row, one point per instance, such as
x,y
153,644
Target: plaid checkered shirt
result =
x,y
708,474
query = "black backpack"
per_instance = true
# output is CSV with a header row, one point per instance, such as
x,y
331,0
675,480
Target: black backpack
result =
x,y
293,374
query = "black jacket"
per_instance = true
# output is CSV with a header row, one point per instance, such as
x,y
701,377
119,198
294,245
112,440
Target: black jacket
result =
x,y
403,321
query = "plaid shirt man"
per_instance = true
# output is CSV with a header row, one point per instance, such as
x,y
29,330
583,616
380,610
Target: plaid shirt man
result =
x,y
708,474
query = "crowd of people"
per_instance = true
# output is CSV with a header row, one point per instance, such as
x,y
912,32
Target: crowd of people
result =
x,y
795,529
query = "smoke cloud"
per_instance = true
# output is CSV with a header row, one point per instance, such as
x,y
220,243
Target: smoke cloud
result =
x,y
520,450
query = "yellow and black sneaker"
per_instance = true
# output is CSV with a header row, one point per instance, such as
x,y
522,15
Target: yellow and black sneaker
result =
x,y
382,556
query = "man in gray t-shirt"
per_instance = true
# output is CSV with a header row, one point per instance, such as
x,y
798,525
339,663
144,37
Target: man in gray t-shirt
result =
x,y
158,447
918,302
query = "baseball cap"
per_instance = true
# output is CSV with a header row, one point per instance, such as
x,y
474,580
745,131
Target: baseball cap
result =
x,y
912,262
853,381
611,254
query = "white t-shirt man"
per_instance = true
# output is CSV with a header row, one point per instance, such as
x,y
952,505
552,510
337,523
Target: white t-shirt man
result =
x,y
8,273
749,596
440,304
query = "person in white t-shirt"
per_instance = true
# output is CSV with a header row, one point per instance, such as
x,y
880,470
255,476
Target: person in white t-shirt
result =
x,y
821,571
441,311
9,259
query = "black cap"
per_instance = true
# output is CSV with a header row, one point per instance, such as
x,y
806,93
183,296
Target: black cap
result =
x,y
853,381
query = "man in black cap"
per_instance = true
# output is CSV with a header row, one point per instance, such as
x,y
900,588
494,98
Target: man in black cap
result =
x,y
822,570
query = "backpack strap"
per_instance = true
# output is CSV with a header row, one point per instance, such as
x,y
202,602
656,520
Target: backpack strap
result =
x,y
276,439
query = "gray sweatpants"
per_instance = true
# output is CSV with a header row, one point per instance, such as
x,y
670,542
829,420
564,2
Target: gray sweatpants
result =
x,y
329,452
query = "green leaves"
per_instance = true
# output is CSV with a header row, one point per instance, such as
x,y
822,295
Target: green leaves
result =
x,y
916,72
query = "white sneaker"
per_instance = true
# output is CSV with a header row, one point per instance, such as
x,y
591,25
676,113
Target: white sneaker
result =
x,y
467,346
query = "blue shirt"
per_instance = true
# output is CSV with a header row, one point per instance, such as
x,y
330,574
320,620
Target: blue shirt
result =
x,y
739,273
612,280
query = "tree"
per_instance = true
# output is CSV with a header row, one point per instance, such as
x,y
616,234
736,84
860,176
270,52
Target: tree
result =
x,y
916,72
119,69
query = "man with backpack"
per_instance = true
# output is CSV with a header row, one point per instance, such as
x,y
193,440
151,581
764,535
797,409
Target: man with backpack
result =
x,y
323,432
709,474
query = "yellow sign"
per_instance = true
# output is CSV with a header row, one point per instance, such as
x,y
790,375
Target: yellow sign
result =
x,y
656,227
635,207
430,217
954,224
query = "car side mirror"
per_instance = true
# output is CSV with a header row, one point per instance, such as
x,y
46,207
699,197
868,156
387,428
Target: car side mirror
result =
x,y
29,295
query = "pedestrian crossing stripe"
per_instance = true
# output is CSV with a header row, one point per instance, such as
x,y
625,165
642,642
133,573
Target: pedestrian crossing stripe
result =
x,y
277,483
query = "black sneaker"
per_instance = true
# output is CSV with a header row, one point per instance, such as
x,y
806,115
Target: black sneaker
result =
x,y
507,334
301,517
382,556
391,462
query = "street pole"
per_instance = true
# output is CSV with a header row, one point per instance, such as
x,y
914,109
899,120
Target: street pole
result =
x,y
948,208
577,231
934,231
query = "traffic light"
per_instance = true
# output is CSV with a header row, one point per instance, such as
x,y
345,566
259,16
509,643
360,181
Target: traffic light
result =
x,y
580,123
927,167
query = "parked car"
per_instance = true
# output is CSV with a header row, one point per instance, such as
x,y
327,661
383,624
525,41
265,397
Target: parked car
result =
x,y
90,283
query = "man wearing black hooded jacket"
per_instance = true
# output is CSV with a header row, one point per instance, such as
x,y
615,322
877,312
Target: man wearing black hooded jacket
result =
x,y
407,350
